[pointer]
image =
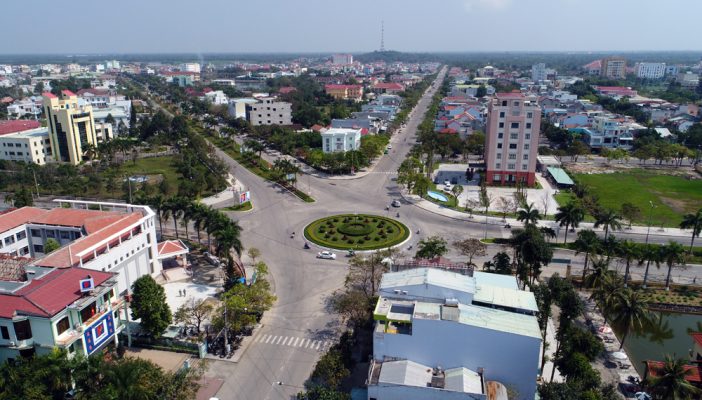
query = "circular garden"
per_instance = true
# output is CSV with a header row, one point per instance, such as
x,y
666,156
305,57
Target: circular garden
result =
x,y
356,231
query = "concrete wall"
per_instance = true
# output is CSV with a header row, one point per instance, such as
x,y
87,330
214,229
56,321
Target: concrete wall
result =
x,y
394,392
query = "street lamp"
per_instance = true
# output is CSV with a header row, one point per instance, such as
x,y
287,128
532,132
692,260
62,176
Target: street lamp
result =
x,y
650,215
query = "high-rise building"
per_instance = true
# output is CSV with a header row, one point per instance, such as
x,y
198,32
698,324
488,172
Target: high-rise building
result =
x,y
512,139
342,59
649,70
190,67
71,126
538,72
613,67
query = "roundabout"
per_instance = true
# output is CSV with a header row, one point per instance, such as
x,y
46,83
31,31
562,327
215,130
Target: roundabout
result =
x,y
356,232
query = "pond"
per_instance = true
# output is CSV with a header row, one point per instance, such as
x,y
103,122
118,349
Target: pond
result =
x,y
670,338
437,196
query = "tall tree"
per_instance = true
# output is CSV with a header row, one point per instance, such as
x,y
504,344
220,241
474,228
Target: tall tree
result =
x,y
529,215
650,253
628,251
693,222
149,304
433,246
471,247
673,253
570,215
588,243
608,219
630,313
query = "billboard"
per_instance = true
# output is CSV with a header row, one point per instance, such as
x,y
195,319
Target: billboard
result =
x,y
86,285
99,332
244,197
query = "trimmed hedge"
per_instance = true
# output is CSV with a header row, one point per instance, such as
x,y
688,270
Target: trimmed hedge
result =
x,y
356,231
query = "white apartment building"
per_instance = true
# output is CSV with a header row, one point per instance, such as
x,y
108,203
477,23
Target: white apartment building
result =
x,y
342,59
30,106
608,132
269,111
476,327
216,97
539,72
190,67
237,107
648,70
341,140
31,146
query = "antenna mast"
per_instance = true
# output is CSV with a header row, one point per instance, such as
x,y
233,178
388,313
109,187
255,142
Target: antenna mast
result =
x,y
382,35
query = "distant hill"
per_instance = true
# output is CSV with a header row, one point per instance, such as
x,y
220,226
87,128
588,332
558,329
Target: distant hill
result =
x,y
395,56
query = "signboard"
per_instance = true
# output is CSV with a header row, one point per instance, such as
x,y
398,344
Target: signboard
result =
x,y
244,197
99,333
86,285
290,177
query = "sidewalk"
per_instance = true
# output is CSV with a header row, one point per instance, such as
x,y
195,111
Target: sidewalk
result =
x,y
480,218
226,196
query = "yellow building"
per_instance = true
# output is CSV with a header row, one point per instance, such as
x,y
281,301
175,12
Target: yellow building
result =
x,y
71,127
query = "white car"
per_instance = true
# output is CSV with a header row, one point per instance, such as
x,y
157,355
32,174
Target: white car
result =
x,y
389,147
211,259
447,183
327,255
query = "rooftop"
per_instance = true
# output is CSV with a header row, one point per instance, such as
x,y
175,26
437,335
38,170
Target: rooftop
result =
x,y
410,373
428,276
49,294
14,126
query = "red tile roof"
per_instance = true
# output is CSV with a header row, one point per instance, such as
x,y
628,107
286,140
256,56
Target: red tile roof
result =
x,y
14,126
6,100
94,92
597,64
388,86
695,374
19,217
70,216
48,295
67,92
510,95
697,337
174,247
49,95
448,131
70,255
333,86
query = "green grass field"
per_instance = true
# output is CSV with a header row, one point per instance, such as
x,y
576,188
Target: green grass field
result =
x,y
164,166
357,232
673,196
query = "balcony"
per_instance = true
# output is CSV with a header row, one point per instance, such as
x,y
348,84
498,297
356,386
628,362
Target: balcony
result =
x,y
68,337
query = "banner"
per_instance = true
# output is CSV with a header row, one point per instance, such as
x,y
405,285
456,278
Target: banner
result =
x,y
99,333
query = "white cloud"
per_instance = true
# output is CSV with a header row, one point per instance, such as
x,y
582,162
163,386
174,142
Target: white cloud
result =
x,y
489,5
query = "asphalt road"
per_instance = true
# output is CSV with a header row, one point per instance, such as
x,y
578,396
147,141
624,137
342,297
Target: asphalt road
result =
x,y
299,326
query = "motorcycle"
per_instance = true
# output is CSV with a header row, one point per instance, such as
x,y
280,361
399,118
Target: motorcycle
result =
x,y
307,246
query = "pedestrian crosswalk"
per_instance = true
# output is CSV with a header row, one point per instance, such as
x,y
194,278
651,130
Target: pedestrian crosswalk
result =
x,y
294,341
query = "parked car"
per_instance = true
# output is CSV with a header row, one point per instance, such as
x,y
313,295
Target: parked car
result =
x,y
327,255
389,147
211,259
396,203
447,183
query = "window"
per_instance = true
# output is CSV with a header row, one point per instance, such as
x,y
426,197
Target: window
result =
x,y
499,145
24,251
88,312
500,135
9,240
525,157
514,136
527,136
512,146
512,156
498,165
526,146
511,166
38,248
504,103
107,296
5,332
502,114
50,233
524,167
514,125
516,104
530,115
63,325
499,156
528,125
23,330
65,235
501,125
35,232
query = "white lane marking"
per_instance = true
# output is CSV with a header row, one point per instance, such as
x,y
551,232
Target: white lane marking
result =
x,y
268,339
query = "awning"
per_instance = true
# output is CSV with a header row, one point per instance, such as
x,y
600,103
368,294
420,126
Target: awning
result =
x,y
560,176
172,248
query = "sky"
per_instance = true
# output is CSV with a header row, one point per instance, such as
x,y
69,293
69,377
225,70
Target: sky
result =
x,y
263,26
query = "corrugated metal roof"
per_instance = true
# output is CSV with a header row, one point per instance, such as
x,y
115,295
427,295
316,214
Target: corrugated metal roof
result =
x,y
405,372
499,296
463,380
430,276
498,320
560,176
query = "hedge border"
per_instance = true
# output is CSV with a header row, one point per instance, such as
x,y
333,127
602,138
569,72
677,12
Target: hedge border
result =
x,y
311,234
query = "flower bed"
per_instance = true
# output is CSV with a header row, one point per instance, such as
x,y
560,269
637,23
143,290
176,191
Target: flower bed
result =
x,y
356,231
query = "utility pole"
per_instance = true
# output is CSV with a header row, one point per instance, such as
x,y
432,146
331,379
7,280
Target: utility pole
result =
x,y
126,313
226,333
35,182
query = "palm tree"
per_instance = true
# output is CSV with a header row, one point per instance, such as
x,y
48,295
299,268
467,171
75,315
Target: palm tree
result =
x,y
630,313
570,215
605,293
457,190
694,222
628,251
608,219
228,239
175,207
528,215
598,273
669,381
548,232
199,216
588,243
672,253
648,254
157,202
